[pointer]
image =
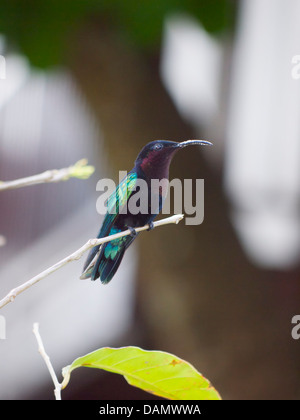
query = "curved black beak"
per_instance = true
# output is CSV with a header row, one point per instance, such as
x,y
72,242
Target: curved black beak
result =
x,y
194,142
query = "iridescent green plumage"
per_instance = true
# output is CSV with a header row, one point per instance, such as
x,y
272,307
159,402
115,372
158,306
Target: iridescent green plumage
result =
x,y
119,198
111,253
152,163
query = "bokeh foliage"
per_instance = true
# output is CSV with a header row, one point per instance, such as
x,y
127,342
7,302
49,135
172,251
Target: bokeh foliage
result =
x,y
41,29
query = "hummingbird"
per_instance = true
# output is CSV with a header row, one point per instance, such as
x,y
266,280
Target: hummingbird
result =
x,y
152,163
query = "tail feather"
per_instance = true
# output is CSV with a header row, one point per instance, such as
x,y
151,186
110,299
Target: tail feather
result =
x,y
103,261
108,268
92,254
105,268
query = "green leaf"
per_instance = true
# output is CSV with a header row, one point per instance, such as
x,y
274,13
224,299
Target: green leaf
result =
x,y
157,372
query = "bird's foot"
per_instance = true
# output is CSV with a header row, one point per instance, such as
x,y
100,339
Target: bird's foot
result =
x,y
133,231
151,226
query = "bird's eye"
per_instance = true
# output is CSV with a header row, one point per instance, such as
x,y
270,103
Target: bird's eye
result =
x,y
157,146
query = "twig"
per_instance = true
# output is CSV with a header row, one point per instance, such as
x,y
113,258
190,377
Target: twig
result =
x,y
41,349
78,254
79,170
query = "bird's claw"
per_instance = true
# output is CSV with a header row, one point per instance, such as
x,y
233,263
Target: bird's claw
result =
x,y
151,226
133,231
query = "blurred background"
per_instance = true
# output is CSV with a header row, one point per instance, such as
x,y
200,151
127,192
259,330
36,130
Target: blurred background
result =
x,y
99,79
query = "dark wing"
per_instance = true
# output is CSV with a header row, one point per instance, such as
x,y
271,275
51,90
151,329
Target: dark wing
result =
x,y
115,204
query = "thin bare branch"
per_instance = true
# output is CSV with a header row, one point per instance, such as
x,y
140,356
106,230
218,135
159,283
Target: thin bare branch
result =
x,y
79,170
78,254
41,349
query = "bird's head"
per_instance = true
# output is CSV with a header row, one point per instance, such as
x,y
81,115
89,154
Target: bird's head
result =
x,y
157,155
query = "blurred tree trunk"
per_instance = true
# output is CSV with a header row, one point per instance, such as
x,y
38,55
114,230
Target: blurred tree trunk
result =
x,y
198,296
